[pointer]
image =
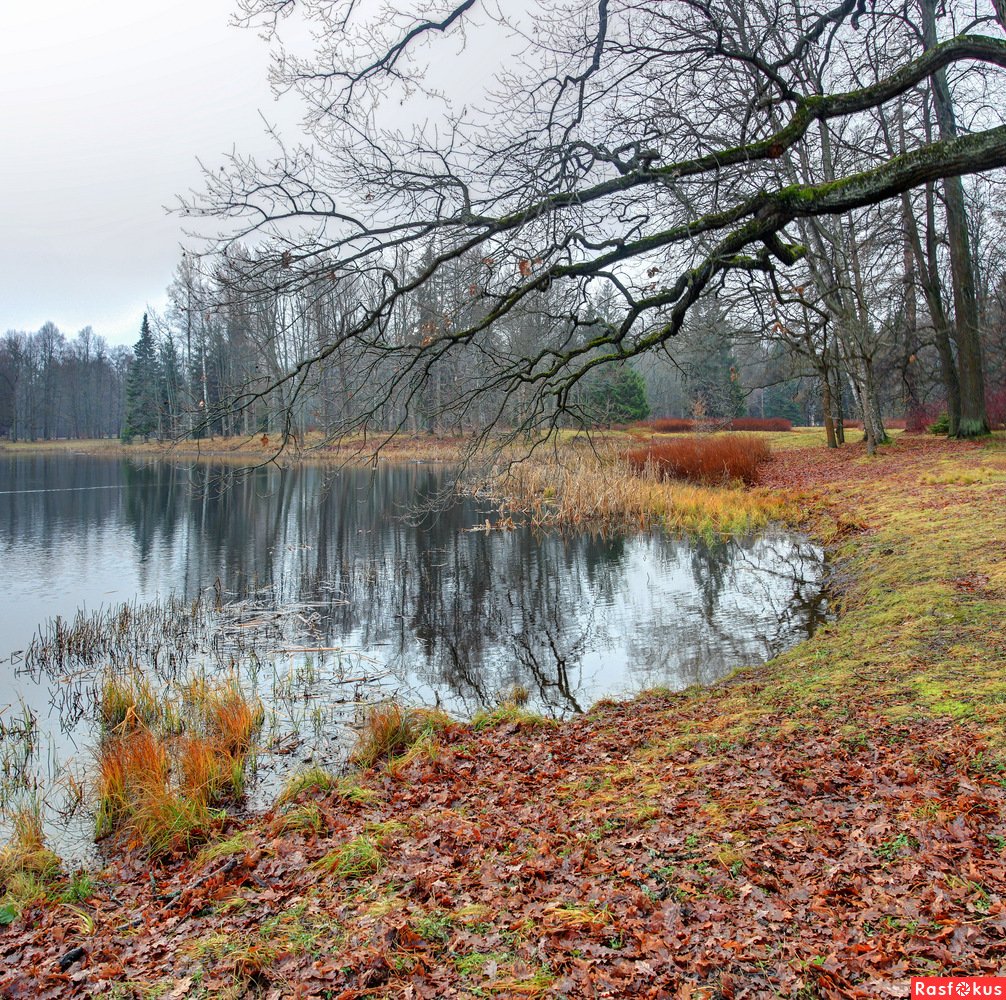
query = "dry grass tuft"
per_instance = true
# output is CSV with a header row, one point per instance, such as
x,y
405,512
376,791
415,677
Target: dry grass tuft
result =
x,y
391,730
127,701
158,784
231,719
25,855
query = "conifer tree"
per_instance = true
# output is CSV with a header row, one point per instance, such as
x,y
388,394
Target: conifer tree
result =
x,y
143,388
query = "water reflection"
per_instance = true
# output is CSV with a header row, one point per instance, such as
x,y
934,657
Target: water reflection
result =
x,y
459,615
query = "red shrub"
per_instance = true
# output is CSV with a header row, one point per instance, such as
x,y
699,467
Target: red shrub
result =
x,y
995,403
920,418
680,425
761,424
711,460
668,425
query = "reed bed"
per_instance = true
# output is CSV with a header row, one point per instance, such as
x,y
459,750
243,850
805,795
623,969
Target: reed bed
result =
x,y
159,632
161,638
578,488
19,741
714,460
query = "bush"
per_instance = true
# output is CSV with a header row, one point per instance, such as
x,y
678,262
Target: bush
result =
x,y
713,460
676,425
761,424
941,425
668,425
995,403
920,418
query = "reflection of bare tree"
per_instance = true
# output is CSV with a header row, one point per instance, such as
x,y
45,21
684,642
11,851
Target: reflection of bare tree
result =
x,y
711,564
748,599
547,658
786,577
460,614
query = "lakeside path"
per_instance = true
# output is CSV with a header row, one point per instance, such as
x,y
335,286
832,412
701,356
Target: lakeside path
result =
x,y
827,825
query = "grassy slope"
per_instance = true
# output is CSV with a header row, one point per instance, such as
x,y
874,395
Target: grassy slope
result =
x,y
827,825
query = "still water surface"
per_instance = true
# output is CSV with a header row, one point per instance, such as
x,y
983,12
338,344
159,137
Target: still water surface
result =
x,y
415,604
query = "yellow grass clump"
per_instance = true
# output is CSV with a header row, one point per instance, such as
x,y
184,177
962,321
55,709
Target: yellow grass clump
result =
x,y
391,730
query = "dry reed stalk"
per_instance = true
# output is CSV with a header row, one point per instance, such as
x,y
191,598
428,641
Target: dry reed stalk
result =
x,y
576,488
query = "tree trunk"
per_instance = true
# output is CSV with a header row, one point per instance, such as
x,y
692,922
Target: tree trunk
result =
x,y
974,418
829,423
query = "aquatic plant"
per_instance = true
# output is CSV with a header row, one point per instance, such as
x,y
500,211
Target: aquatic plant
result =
x,y
231,719
127,701
159,786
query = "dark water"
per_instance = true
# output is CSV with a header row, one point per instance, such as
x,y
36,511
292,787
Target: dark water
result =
x,y
459,613
429,608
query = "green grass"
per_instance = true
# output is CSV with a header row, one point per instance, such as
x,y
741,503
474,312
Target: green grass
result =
x,y
512,715
228,847
304,818
313,780
356,859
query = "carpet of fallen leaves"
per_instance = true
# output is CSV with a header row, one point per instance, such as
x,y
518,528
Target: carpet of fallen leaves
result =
x,y
643,849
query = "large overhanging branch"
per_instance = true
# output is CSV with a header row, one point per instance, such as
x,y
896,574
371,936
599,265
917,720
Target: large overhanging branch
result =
x,y
757,223
584,231
637,172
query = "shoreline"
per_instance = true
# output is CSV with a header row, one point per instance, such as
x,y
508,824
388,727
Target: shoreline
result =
x,y
829,822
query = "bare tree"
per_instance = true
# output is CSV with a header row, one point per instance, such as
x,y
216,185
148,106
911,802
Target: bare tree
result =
x,y
639,146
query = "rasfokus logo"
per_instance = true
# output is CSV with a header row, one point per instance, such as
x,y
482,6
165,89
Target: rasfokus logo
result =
x,y
948,986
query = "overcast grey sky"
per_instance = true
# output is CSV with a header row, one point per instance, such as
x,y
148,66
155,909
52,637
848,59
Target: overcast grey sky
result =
x,y
104,108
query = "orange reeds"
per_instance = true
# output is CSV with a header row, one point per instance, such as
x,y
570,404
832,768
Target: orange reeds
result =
x,y
231,719
391,730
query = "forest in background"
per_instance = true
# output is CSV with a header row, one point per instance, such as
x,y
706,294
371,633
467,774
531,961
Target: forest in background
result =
x,y
778,212
211,345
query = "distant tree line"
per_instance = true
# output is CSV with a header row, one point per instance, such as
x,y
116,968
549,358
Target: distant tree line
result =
x,y
226,337
52,387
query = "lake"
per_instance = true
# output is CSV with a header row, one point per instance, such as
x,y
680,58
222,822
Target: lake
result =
x,y
326,589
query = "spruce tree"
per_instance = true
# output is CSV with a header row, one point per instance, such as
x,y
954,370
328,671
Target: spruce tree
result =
x,y
143,388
